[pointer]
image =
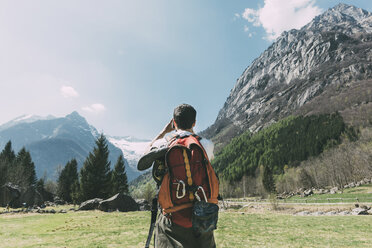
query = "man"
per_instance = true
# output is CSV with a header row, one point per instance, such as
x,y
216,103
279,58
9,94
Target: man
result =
x,y
167,232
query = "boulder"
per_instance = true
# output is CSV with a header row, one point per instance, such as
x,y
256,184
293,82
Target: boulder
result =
x,y
303,213
49,204
365,207
143,205
318,213
344,212
31,197
9,194
331,213
334,190
320,191
359,211
47,196
58,201
307,193
90,204
119,202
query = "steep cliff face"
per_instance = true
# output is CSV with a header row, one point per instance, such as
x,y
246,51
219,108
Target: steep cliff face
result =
x,y
332,52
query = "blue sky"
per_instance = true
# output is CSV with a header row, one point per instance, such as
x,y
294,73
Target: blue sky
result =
x,y
124,65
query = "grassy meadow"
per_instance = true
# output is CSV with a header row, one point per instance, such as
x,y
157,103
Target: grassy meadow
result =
x,y
358,194
235,229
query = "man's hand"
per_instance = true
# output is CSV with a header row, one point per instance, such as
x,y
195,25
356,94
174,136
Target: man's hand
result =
x,y
167,129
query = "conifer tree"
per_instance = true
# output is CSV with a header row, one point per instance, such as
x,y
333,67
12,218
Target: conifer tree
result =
x,y
3,172
68,181
7,157
119,177
96,174
24,169
40,185
8,154
268,180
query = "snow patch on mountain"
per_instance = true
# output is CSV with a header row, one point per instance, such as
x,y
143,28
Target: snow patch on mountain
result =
x,y
25,119
132,148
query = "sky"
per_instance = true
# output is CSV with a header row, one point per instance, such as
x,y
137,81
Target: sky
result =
x,y
125,65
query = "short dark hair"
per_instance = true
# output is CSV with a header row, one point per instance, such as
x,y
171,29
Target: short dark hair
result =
x,y
184,115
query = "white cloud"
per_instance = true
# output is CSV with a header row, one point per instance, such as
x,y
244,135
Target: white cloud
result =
x,y
68,92
94,108
250,15
277,16
246,28
236,16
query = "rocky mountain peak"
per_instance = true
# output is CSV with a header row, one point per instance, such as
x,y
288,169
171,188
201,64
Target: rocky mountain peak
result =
x,y
350,10
75,116
335,48
349,18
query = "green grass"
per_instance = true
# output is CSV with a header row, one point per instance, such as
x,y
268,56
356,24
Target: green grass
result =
x,y
358,194
99,229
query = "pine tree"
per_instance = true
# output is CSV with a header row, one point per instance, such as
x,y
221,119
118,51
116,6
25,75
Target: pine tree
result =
x,y
7,157
24,169
119,177
40,185
8,154
268,180
95,174
3,172
68,181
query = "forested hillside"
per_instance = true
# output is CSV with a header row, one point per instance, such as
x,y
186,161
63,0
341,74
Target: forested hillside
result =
x,y
286,143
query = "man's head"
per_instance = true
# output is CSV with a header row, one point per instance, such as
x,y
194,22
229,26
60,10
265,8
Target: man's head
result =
x,y
184,115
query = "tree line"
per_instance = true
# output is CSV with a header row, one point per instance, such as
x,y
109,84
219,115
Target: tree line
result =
x,y
94,180
285,143
17,168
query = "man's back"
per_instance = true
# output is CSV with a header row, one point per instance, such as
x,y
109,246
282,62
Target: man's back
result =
x,y
189,178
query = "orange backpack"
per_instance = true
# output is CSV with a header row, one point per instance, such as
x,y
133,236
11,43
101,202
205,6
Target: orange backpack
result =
x,y
189,178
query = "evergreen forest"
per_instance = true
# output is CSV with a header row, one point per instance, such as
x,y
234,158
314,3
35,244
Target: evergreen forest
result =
x,y
285,143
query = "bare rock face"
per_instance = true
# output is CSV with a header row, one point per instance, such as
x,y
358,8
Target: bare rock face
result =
x,y
9,194
359,211
90,204
119,202
334,49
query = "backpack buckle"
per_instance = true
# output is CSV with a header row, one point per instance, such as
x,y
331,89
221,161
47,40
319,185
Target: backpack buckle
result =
x,y
198,197
178,189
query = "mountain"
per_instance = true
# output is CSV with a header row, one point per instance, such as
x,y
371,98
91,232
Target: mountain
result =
x,y
25,119
54,141
325,66
132,148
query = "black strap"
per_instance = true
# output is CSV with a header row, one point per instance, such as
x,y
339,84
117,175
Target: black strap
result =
x,y
179,137
154,212
197,137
